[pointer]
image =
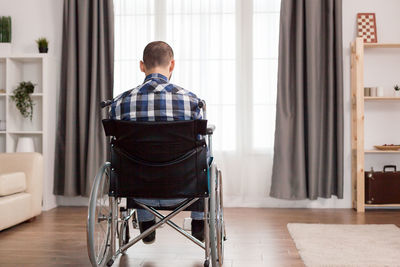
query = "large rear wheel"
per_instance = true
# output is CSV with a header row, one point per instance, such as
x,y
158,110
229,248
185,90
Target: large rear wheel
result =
x,y
99,218
213,218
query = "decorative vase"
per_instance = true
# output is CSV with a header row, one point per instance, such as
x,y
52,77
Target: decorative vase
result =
x,y
379,91
25,144
396,93
43,49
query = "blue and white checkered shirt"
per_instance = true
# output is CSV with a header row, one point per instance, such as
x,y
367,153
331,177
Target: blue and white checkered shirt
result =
x,y
156,100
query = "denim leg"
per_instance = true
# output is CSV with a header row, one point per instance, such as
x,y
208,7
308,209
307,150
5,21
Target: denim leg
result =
x,y
197,215
144,215
170,202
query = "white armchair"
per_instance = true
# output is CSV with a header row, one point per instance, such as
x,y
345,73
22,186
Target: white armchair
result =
x,y
21,182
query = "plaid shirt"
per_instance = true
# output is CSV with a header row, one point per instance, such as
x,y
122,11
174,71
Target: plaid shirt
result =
x,y
156,100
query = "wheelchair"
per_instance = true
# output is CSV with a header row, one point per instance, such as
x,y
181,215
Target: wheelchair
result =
x,y
161,160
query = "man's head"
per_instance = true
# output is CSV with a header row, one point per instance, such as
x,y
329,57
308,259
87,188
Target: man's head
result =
x,y
158,57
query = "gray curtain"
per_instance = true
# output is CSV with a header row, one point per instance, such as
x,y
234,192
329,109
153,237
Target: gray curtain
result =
x,y
86,79
308,154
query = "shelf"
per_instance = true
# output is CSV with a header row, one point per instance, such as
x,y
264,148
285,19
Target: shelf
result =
x,y
381,45
382,205
2,132
373,151
34,94
24,132
25,68
27,58
367,98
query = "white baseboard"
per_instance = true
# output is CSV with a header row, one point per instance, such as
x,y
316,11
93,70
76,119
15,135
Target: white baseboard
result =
x,y
72,201
268,202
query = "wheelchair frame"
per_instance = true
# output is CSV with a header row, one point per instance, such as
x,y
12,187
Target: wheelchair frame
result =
x,y
104,209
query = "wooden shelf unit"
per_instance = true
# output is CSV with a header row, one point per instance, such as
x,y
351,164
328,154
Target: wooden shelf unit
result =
x,y
357,122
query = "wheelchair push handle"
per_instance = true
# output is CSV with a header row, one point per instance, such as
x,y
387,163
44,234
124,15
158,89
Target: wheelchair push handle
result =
x,y
105,103
202,105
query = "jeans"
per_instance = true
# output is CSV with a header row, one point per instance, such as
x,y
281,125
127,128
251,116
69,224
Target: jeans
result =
x,y
144,215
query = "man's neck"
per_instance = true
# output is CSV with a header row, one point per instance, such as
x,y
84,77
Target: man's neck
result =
x,y
158,70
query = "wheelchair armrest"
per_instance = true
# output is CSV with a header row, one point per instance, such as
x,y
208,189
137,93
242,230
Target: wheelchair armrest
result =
x,y
210,129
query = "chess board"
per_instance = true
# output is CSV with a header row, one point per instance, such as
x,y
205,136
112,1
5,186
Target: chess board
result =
x,y
366,27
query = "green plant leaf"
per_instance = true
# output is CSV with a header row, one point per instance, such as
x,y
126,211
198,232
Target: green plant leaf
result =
x,y
23,100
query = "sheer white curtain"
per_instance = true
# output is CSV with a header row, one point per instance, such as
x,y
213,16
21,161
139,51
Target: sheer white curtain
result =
x,y
226,53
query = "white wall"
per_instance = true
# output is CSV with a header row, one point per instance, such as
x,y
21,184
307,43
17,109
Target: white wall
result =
x,y
31,20
34,19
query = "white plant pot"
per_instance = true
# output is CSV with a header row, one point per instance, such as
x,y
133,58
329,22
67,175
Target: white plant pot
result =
x,y
25,144
396,93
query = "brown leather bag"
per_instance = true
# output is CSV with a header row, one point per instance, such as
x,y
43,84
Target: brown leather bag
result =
x,y
382,187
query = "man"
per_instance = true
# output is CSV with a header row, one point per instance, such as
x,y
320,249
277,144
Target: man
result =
x,y
158,100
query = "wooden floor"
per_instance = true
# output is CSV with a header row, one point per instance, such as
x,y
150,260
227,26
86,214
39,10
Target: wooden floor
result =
x,y
256,237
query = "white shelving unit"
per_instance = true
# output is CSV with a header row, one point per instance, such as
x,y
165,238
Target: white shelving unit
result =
x,y
40,69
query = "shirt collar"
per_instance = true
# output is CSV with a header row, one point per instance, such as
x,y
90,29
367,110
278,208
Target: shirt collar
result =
x,y
155,76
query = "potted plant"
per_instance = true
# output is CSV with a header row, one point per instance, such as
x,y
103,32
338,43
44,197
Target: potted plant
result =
x,y
5,29
43,45
5,35
23,100
396,90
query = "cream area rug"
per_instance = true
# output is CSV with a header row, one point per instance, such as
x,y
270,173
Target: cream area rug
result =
x,y
333,245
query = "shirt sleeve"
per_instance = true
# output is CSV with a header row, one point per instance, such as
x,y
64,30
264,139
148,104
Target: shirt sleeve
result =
x,y
115,110
197,113
194,103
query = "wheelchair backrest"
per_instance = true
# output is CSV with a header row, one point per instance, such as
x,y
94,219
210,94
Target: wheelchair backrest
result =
x,y
158,159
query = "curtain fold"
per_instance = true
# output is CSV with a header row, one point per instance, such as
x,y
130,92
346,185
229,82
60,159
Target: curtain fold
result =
x,y
86,79
308,152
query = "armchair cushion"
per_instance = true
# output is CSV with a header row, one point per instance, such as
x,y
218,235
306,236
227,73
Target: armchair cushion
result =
x,y
11,183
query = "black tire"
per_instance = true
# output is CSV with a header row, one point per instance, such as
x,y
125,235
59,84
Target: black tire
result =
x,y
221,235
213,217
98,226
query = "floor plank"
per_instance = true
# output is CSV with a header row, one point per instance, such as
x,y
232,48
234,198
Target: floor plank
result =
x,y
256,237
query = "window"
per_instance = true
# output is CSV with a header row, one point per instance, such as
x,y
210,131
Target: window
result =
x,y
265,69
208,38
133,18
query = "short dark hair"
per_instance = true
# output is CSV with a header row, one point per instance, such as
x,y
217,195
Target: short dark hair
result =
x,y
156,54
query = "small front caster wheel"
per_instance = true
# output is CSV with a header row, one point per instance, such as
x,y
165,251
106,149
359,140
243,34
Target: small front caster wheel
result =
x,y
206,263
110,262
